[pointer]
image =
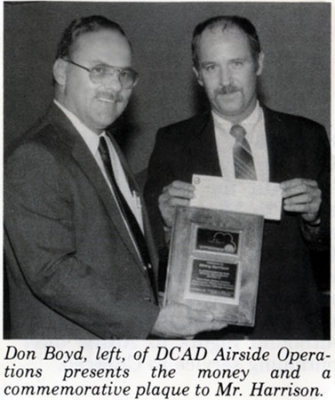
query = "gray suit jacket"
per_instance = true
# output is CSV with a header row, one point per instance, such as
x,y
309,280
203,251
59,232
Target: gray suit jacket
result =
x,y
72,268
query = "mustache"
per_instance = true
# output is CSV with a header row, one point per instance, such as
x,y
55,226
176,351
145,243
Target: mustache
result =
x,y
227,89
117,97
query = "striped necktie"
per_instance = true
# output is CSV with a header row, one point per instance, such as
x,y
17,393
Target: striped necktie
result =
x,y
243,160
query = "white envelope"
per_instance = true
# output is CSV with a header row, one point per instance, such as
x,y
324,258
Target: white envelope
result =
x,y
238,195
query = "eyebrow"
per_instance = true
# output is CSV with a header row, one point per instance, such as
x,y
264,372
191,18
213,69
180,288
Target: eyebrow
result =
x,y
94,63
245,58
204,63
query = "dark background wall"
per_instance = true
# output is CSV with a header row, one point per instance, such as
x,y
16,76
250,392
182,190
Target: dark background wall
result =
x,y
295,38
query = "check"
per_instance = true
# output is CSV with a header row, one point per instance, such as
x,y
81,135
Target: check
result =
x,y
238,195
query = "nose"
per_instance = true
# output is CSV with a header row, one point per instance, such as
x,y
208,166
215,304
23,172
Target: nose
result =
x,y
112,80
225,75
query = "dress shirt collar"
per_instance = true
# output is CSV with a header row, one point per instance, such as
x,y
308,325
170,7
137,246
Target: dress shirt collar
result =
x,y
91,138
248,124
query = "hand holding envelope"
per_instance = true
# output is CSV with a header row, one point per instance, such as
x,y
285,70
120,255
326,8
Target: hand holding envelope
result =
x,y
302,196
299,195
202,273
178,193
237,195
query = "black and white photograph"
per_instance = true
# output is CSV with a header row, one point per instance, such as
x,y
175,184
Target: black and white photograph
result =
x,y
110,111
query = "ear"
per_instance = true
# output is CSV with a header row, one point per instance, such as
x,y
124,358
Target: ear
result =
x,y
198,76
260,63
59,71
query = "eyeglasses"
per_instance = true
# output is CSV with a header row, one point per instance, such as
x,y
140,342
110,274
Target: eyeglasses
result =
x,y
127,76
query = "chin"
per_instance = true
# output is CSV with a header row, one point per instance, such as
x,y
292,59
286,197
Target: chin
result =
x,y
229,113
230,107
104,122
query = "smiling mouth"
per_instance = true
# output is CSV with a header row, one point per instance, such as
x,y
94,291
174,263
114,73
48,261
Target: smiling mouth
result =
x,y
110,98
104,100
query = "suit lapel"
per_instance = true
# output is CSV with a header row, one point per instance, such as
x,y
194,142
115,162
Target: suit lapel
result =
x,y
88,165
203,149
276,143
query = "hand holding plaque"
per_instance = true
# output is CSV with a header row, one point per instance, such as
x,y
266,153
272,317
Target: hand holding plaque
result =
x,y
215,254
181,321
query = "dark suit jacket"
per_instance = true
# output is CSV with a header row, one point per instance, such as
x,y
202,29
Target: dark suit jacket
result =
x,y
72,269
288,303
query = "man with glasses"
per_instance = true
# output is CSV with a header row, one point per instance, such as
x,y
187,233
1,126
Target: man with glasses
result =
x,y
241,138
79,255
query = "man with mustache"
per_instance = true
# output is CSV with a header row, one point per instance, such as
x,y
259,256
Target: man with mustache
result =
x,y
270,146
79,254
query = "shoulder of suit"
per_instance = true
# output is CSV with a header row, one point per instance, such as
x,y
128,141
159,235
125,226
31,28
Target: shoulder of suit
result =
x,y
292,119
191,125
43,137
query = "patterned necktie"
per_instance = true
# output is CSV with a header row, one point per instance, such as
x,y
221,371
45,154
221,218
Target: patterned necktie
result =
x,y
126,211
243,160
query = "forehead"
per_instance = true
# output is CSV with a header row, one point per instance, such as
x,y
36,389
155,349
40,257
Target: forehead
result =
x,y
231,42
104,46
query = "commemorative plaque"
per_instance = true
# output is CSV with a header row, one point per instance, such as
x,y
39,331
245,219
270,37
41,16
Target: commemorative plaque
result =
x,y
214,263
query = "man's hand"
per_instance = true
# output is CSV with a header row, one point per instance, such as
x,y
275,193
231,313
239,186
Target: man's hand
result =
x,y
176,194
178,320
302,196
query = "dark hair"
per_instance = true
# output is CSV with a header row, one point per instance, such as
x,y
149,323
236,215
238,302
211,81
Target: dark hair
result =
x,y
79,26
226,22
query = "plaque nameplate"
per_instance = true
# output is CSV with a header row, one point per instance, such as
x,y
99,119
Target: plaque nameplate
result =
x,y
214,263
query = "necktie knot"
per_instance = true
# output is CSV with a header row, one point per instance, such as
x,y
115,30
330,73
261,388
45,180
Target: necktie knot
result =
x,y
238,132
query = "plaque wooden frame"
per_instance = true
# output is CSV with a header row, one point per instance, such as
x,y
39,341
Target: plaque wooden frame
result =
x,y
214,263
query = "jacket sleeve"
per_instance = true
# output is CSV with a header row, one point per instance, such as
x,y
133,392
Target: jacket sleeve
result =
x,y
39,225
319,238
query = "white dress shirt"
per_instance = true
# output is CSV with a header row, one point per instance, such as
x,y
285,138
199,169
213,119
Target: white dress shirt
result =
x,y
92,141
254,126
